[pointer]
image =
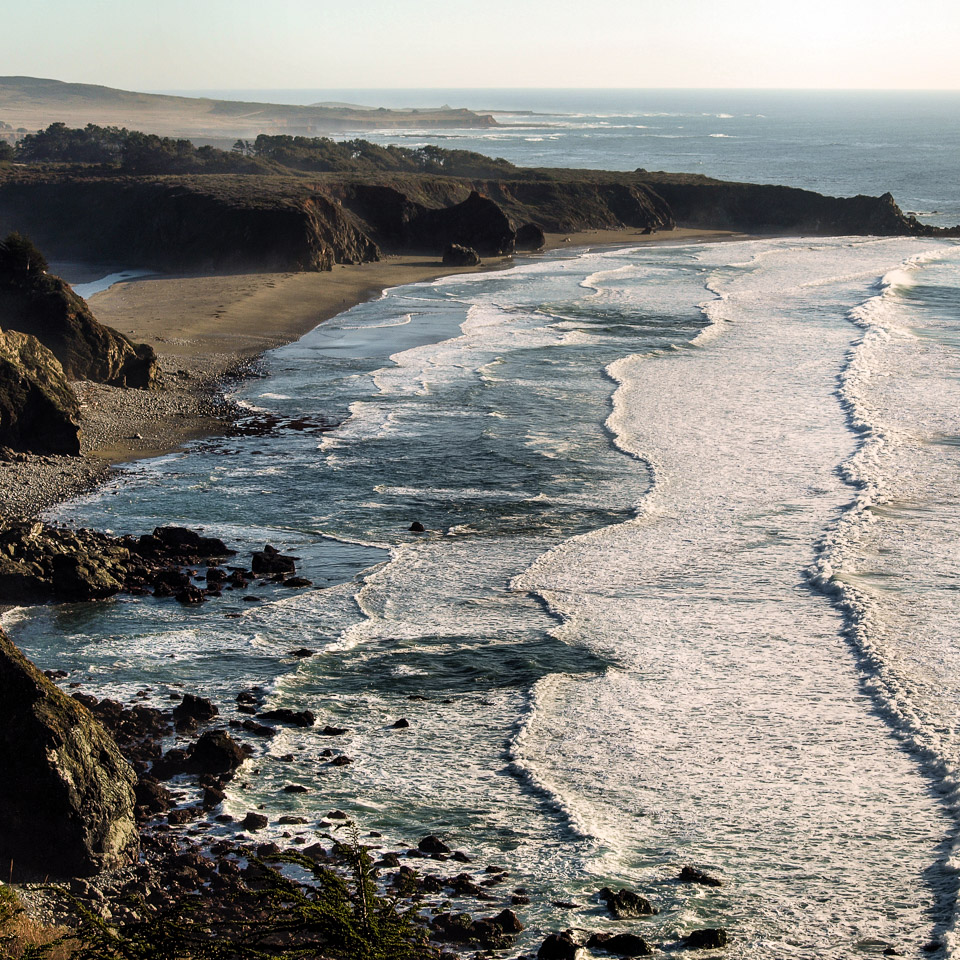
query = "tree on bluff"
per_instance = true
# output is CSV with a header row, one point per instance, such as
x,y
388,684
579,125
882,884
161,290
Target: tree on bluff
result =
x,y
20,260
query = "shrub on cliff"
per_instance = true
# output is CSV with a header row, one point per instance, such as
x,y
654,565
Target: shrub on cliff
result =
x,y
336,913
20,260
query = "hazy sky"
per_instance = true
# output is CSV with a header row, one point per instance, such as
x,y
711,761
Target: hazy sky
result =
x,y
191,44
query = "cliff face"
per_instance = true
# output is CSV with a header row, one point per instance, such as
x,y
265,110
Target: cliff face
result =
x,y
715,204
45,307
248,222
241,223
38,410
66,794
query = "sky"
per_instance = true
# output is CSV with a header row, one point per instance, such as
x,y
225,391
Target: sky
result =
x,y
313,44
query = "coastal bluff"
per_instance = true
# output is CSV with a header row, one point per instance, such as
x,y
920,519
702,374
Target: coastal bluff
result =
x,y
67,794
222,222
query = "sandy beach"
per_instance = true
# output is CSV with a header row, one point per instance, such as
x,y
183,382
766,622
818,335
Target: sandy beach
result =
x,y
206,331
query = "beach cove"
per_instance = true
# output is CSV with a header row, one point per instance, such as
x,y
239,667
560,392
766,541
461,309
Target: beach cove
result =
x,y
541,614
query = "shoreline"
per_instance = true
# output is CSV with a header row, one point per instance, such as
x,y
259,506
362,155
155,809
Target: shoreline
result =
x,y
207,331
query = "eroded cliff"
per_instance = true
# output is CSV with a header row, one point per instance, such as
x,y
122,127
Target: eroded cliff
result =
x,y
66,794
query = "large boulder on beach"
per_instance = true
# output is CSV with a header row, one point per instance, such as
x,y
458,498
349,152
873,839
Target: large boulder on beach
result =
x,y
456,255
530,236
66,794
38,411
42,305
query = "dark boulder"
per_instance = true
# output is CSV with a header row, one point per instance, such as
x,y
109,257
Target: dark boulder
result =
x,y
559,946
626,905
187,544
80,576
190,596
153,798
530,237
38,411
296,718
489,932
66,794
270,560
254,821
621,944
197,708
693,875
457,255
432,844
400,724
417,527
709,939
215,752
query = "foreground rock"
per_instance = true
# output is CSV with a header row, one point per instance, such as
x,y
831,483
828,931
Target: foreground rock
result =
x,y
38,411
66,793
39,562
36,303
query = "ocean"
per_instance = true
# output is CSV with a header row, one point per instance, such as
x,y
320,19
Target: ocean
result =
x,y
687,590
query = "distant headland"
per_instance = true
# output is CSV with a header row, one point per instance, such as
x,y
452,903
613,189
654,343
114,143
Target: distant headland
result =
x,y
29,103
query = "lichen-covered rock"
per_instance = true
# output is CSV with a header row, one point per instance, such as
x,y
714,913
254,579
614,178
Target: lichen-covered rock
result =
x,y
66,794
38,410
45,307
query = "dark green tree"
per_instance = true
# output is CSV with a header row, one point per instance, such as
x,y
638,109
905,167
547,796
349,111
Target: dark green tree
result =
x,y
20,260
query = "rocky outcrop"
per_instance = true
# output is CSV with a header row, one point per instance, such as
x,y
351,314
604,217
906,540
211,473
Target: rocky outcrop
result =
x,y
38,410
66,794
478,222
280,222
39,562
459,256
698,201
530,237
189,223
45,307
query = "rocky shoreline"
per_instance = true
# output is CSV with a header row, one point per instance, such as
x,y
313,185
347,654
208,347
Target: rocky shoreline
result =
x,y
217,889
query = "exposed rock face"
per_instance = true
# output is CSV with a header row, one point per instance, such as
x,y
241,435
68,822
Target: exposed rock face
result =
x,y
203,223
295,223
715,204
45,307
66,794
477,222
38,410
458,256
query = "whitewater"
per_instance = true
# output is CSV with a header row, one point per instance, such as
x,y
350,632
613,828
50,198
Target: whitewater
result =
x,y
687,592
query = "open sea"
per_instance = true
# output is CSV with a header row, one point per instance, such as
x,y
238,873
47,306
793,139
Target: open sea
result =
x,y
690,582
